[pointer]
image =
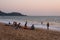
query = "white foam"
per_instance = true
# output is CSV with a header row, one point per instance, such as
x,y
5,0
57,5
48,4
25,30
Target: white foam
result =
x,y
37,25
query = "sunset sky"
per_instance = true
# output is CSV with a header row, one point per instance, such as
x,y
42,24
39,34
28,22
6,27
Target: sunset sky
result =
x,y
32,7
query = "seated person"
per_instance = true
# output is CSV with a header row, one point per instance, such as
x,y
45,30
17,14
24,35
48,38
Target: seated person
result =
x,y
32,27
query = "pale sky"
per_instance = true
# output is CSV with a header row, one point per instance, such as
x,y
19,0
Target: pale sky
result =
x,y
32,7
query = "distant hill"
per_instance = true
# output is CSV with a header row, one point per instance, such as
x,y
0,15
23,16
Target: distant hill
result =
x,y
11,14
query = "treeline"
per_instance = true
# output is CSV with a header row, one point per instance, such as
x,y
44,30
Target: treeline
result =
x,y
11,14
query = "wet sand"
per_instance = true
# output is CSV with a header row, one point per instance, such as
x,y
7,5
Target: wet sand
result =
x,y
10,33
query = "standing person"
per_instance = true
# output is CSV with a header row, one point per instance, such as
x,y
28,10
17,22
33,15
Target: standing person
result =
x,y
48,26
32,27
9,23
26,24
41,22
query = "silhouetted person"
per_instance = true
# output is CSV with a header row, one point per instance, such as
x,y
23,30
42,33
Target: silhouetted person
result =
x,y
32,27
9,23
26,24
48,26
19,26
14,24
41,22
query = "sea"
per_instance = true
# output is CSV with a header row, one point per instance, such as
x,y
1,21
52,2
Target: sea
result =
x,y
36,20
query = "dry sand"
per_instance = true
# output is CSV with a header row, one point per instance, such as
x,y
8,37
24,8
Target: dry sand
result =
x,y
9,33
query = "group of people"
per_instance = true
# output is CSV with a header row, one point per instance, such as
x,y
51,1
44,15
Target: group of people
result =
x,y
16,26
25,26
46,25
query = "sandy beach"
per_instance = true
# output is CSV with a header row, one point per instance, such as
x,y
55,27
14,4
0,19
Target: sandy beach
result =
x,y
9,33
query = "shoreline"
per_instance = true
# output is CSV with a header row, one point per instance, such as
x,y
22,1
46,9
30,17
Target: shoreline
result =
x,y
53,27
30,27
